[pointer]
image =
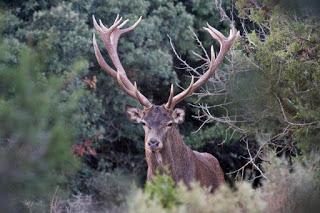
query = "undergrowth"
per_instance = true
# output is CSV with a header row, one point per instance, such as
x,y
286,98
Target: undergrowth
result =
x,y
289,187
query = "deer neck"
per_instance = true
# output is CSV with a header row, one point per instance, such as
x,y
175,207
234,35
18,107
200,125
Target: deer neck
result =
x,y
174,158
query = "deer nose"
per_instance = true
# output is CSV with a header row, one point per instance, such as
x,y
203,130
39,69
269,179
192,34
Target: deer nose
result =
x,y
153,143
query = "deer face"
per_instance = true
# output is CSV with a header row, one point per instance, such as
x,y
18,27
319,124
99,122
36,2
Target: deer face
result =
x,y
156,121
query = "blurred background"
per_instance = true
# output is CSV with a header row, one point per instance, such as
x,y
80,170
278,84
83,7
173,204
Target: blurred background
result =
x,y
67,146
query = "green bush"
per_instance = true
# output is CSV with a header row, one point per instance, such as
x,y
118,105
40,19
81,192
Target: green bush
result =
x,y
162,188
35,149
284,55
197,199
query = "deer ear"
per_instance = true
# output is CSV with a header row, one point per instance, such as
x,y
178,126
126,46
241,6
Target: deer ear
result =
x,y
134,114
178,115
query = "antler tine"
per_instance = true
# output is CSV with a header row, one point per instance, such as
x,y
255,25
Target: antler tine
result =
x,y
123,86
96,25
117,17
110,37
123,23
215,61
215,31
212,53
132,27
167,105
185,93
115,25
104,28
234,34
133,93
103,64
141,99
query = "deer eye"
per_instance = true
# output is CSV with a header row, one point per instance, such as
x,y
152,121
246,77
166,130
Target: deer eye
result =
x,y
143,123
169,124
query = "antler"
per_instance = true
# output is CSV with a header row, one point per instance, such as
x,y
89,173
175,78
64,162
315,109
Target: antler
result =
x,y
225,45
110,37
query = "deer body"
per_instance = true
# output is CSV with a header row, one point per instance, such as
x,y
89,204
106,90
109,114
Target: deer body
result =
x,y
164,147
182,163
187,166
175,156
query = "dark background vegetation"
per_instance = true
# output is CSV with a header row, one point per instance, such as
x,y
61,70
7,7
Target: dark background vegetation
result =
x,y
60,134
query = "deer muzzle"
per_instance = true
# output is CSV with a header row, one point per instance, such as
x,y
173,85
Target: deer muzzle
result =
x,y
153,144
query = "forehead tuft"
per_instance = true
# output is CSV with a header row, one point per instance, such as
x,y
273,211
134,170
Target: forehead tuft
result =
x,y
157,115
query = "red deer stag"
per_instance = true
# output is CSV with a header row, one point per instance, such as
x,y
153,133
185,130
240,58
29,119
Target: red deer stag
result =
x,y
164,145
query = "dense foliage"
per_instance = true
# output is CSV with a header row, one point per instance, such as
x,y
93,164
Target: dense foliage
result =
x,y
285,54
35,151
55,99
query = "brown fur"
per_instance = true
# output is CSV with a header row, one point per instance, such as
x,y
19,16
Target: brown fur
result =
x,y
183,163
163,143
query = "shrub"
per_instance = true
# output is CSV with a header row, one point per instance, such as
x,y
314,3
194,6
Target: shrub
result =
x,y
225,199
163,189
35,149
289,188
293,187
110,188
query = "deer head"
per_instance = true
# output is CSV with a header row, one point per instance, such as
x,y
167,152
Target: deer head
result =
x,y
157,120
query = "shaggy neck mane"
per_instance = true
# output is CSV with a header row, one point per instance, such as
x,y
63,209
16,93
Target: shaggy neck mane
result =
x,y
175,156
